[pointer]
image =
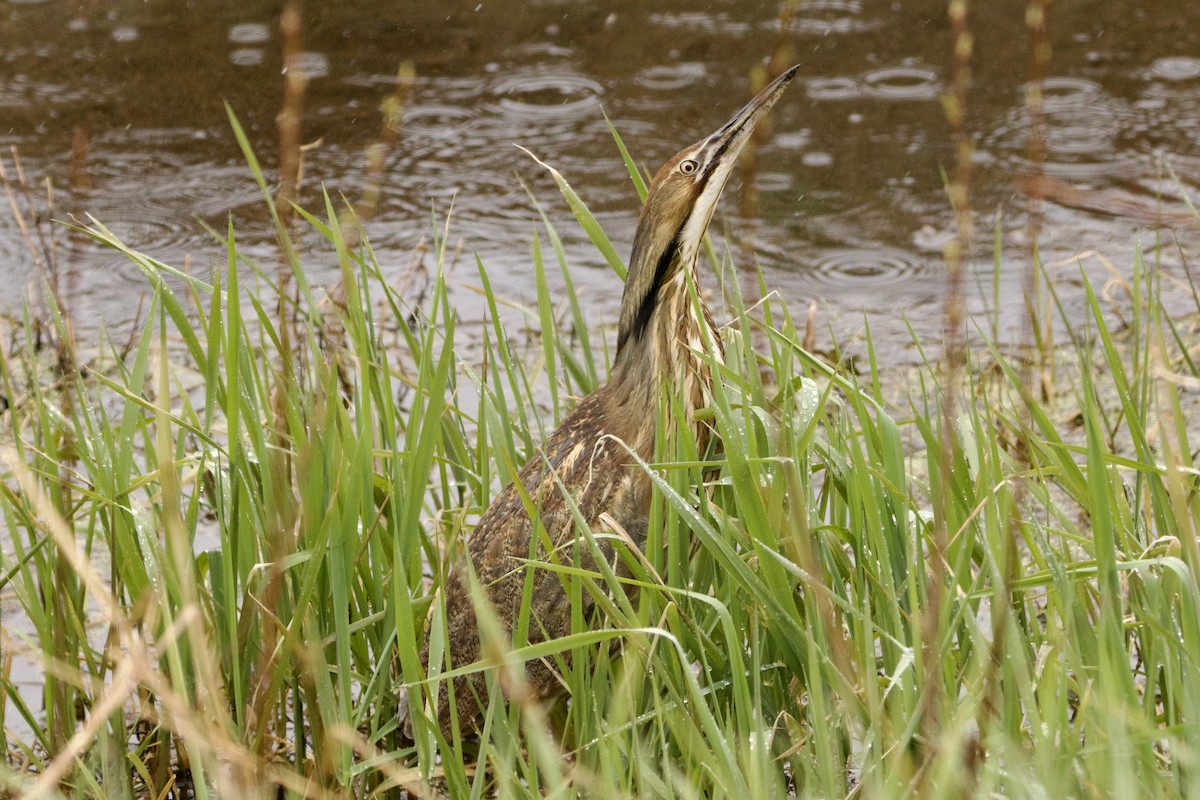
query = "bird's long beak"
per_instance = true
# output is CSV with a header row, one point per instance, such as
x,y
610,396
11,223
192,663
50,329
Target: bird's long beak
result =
x,y
724,145
716,157
679,207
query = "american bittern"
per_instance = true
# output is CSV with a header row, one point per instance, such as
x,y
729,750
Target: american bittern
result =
x,y
661,338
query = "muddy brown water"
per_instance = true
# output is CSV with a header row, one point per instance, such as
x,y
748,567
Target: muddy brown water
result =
x,y
120,104
852,209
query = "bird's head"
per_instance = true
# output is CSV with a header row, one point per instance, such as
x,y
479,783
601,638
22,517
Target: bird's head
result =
x,y
678,208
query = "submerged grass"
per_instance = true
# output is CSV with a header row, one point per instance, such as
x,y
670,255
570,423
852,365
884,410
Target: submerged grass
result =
x,y
226,540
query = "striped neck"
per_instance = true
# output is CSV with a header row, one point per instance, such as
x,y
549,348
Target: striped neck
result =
x,y
674,354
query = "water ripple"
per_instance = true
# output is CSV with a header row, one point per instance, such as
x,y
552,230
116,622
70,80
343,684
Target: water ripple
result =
x,y
21,91
1169,114
544,94
246,56
670,78
436,120
823,17
313,64
902,83
151,200
249,33
700,21
863,270
832,88
1176,68
1083,128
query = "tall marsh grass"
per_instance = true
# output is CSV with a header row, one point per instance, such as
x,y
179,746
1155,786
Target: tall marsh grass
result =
x,y
226,539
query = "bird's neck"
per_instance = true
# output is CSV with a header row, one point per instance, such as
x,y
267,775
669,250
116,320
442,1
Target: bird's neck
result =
x,y
676,355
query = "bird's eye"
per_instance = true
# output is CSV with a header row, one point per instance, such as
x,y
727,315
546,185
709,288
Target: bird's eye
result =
x,y
688,167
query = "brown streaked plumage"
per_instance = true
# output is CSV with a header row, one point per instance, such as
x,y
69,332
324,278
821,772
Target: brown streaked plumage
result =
x,y
659,334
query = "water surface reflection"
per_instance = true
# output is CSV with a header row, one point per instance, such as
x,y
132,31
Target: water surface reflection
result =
x,y
852,208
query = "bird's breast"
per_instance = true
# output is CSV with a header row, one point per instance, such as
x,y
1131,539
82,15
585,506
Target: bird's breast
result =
x,y
686,348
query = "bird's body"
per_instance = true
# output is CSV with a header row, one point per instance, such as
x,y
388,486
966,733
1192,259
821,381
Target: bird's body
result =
x,y
661,344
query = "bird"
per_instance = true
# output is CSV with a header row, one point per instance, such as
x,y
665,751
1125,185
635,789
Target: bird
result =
x,y
666,341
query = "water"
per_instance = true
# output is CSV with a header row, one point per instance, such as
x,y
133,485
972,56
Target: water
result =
x,y
120,105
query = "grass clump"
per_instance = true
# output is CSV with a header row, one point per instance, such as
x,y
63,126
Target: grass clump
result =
x,y
226,539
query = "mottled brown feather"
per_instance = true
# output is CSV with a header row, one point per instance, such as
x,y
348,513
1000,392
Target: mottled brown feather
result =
x,y
585,458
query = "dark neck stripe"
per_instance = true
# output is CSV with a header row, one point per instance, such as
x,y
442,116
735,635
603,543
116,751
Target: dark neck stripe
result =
x,y
716,157
650,300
